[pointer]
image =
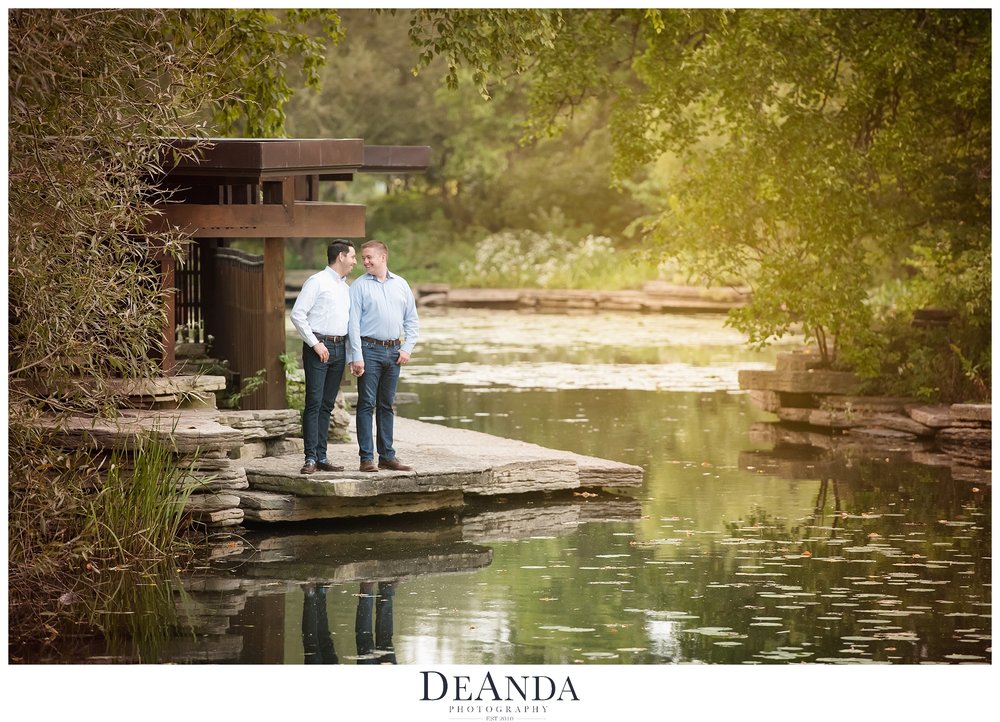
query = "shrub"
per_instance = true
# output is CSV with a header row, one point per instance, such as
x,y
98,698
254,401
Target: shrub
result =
x,y
526,259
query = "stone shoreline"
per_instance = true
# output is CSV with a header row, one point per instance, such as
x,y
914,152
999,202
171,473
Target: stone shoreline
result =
x,y
819,407
653,297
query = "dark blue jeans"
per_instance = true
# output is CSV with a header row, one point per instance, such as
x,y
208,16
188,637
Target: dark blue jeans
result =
x,y
377,649
376,394
317,642
322,383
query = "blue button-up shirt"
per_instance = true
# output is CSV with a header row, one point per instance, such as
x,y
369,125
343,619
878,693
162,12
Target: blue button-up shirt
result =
x,y
383,310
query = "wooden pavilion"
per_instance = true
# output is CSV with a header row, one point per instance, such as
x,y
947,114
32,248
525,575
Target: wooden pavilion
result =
x,y
269,189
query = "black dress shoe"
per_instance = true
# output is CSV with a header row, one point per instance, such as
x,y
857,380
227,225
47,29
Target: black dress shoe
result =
x,y
393,464
327,466
309,468
367,466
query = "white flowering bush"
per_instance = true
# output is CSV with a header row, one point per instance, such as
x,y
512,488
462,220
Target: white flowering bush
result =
x,y
525,258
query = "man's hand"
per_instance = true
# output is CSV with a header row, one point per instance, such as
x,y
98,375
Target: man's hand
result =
x,y
357,368
322,351
404,357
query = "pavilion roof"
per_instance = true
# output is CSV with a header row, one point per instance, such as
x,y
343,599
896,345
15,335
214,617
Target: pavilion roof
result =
x,y
300,156
268,188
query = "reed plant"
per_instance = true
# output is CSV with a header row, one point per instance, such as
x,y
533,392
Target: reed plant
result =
x,y
139,611
140,509
87,532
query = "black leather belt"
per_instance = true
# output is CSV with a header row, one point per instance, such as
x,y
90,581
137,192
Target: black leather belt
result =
x,y
335,339
377,342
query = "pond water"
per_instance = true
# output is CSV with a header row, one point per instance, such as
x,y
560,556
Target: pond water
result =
x,y
731,552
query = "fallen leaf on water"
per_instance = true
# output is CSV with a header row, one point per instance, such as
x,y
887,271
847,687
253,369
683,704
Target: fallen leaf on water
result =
x,y
807,553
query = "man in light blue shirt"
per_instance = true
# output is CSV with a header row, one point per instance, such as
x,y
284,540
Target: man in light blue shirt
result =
x,y
320,315
382,332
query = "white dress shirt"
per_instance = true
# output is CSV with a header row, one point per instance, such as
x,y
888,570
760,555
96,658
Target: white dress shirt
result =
x,y
323,306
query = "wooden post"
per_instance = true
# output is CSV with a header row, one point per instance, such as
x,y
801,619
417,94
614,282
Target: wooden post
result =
x,y
209,293
168,362
264,629
283,193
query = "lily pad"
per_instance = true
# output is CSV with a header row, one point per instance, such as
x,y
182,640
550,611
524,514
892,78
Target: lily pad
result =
x,y
568,630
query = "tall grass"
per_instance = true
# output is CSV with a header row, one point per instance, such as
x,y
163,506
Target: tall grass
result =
x,y
87,533
140,509
139,612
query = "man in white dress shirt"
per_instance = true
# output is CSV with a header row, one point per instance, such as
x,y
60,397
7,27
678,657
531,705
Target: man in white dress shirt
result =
x,y
320,315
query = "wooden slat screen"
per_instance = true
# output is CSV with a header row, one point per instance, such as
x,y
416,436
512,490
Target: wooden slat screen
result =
x,y
188,279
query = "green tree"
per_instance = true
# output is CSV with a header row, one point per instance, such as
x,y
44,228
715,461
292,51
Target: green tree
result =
x,y
818,154
94,97
482,178
243,62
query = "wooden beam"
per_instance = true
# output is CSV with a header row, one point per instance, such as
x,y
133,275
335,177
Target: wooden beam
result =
x,y
396,159
302,219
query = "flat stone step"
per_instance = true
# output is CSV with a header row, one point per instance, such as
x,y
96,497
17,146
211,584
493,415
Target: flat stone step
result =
x,y
449,464
183,431
973,412
816,381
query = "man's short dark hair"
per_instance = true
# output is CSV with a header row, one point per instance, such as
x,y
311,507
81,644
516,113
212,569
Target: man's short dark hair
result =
x,y
337,247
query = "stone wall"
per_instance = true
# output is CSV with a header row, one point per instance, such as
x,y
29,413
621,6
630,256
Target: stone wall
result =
x,y
803,395
654,297
208,444
201,447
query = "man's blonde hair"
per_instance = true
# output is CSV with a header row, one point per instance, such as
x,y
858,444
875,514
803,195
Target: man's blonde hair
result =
x,y
377,245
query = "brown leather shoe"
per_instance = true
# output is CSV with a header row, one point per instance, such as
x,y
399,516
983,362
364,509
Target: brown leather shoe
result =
x,y
367,466
326,466
309,468
393,465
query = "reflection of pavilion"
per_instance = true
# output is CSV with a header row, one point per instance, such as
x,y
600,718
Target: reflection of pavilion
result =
x,y
239,609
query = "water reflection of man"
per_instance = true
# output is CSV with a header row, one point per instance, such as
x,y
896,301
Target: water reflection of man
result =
x,y
317,642
377,649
